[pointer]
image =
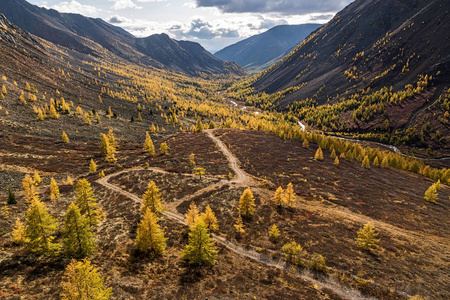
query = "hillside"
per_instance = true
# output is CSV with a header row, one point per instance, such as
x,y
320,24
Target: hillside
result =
x,y
259,52
365,65
77,32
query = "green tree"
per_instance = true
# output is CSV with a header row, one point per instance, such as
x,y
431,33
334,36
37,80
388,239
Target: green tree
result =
x,y
148,144
200,249
40,226
82,282
290,196
150,237
279,198
54,190
163,148
367,237
86,202
78,238
209,218
152,199
247,204
11,197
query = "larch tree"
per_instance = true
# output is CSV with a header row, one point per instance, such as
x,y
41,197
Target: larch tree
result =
x,y
247,204
112,140
53,113
278,198
292,252
152,199
305,144
192,159
319,154
366,162
92,166
367,237
83,281
336,161
274,232
29,188
163,148
192,214
18,234
289,195
86,202
199,172
209,218
201,248
54,190
4,91
385,162
199,126
64,137
376,162
431,194
239,226
148,144
107,149
40,227
78,238
150,237
333,154
37,178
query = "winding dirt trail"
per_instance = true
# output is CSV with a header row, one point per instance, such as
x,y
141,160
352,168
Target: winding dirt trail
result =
x,y
241,179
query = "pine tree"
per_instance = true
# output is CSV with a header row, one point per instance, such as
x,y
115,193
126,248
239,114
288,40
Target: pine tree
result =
x,y
366,162
152,199
78,238
148,144
65,138
336,161
18,233
192,159
29,188
164,149
431,194
199,172
274,232
247,204
92,166
278,198
40,226
209,218
11,197
37,178
289,195
86,202
200,249
82,281
192,214
305,144
367,237
150,237
54,190
319,154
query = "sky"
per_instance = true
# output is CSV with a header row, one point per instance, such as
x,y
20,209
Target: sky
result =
x,y
214,24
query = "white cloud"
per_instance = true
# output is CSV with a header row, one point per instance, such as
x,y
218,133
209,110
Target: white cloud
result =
x,y
77,8
122,4
151,0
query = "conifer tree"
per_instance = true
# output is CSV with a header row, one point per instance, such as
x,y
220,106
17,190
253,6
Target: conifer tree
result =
x,y
199,126
366,162
278,198
78,238
41,116
319,154
164,149
239,225
336,161
192,159
4,91
305,144
209,218
152,199
148,144
18,233
69,180
367,237
199,172
87,119
192,214
376,162
385,162
36,178
112,140
247,204
333,154
431,194
289,195
11,197
292,252
29,188
92,166
82,281
150,237
101,174
200,249
86,202
65,138
53,113
274,232
104,144
40,226
54,190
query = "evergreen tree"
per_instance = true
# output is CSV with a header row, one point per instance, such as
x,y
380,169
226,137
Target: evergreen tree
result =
x,y
78,238
319,154
367,237
336,161
289,195
209,218
54,190
199,172
37,178
148,144
278,198
65,138
86,202
366,162
192,214
247,204
150,237
164,149
11,197
152,199
40,226
92,166
18,234
83,282
200,249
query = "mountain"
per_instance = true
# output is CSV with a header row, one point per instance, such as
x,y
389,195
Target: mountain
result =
x,y
84,34
261,51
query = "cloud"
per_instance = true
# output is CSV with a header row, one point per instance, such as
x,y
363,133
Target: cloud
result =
x,y
151,0
76,7
122,4
286,7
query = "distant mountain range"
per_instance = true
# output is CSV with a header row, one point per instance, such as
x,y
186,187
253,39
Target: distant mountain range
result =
x,y
84,34
260,51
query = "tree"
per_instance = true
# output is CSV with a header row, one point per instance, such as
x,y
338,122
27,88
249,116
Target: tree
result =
x,y
107,149
82,281
366,162
148,144
192,159
385,162
150,237
152,199
65,138
40,226
29,188
78,238
336,161
289,195
37,178
376,162
305,144
69,180
367,237
53,113
292,252
18,233
274,232
87,119
210,219
431,194
11,197
319,154
199,126
163,148
247,204
4,91
200,249
278,198
54,190
199,172
239,225
92,166
86,202
192,214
